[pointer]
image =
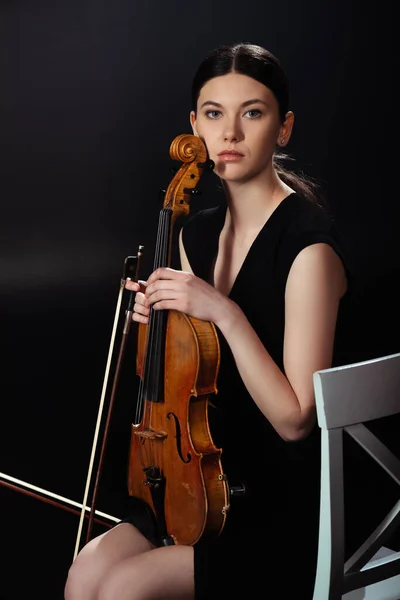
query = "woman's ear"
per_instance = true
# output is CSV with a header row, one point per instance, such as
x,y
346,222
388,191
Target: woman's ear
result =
x,y
193,123
286,129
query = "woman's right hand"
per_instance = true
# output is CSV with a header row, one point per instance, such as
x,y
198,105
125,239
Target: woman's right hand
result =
x,y
141,307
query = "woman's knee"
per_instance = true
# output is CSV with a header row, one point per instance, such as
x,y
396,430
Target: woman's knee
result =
x,y
118,583
98,556
114,586
163,573
83,577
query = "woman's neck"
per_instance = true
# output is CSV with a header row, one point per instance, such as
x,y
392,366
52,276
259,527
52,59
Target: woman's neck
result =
x,y
251,203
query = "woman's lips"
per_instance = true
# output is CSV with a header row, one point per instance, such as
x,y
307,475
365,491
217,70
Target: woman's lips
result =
x,y
230,156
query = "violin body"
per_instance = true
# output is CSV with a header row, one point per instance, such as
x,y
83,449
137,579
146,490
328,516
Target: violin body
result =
x,y
195,498
174,464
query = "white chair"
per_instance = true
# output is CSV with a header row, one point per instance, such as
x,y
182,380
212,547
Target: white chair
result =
x,y
347,397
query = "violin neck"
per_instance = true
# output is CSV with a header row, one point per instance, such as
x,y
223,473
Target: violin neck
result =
x,y
163,241
152,388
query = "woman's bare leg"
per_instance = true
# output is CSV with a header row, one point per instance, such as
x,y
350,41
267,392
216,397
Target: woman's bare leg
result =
x,y
98,556
161,574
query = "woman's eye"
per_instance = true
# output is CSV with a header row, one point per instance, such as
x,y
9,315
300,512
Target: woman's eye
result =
x,y
253,113
213,114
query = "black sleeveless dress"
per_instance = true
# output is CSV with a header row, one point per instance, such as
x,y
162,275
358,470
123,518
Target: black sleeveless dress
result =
x,y
269,544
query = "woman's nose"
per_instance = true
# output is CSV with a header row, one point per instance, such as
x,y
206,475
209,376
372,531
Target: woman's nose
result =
x,y
231,131
230,137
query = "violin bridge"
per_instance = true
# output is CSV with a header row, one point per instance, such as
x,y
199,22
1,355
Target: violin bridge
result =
x,y
150,434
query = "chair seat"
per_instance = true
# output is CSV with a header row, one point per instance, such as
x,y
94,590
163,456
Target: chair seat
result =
x,y
389,589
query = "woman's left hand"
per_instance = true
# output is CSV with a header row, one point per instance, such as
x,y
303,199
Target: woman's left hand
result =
x,y
182,291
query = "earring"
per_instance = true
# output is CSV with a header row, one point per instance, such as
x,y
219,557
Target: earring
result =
x,y
282,141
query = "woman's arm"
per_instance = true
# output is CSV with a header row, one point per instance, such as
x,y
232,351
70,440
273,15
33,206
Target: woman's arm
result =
x,y
315,284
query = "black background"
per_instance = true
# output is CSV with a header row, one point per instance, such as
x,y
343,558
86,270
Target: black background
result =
x,y
92,94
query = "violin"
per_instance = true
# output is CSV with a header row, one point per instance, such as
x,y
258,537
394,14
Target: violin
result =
x,y
174,464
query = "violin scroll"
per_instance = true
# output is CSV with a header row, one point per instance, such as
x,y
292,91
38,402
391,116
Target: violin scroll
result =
x,y
191,151
187,147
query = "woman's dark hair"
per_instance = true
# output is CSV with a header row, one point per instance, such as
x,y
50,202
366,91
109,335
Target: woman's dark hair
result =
x,y
258,63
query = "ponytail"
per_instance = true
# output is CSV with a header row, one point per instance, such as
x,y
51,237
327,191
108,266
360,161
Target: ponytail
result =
x,y
303,185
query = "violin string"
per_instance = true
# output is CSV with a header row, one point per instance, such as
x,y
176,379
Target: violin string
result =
x,y
161,331
153,372
163,323
164,327
150,450
139,416
158,315
144,390
159,326
140,395
146,383
139,403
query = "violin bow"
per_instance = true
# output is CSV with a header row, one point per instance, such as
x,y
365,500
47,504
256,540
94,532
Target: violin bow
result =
x,y
82,509
131,265
49,497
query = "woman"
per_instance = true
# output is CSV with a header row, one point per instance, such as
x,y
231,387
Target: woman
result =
x,y
271,277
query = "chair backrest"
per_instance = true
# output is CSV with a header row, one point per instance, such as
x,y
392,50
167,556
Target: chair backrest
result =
x,y
346,397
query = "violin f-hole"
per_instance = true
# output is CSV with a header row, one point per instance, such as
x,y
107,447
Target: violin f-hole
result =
x,y
178,436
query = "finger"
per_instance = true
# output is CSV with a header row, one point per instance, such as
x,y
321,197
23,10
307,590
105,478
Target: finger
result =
x,y
140,298
140,309
143,285
163,273
132,286
168,305
159,295
139,318
162,284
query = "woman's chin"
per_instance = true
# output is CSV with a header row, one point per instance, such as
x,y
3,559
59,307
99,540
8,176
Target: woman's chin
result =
x,y
239,177
234,173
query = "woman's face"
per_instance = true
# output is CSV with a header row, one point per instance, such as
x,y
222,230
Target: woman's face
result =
x,y
237,113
